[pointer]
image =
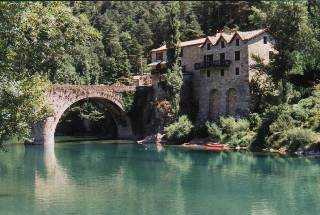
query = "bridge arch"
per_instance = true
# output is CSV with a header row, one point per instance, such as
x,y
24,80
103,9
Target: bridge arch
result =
x,y
61,97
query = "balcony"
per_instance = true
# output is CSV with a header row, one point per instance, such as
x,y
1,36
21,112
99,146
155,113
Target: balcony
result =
x,y
212,64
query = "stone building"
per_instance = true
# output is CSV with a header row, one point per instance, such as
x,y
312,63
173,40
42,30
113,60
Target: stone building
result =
x,y
220,67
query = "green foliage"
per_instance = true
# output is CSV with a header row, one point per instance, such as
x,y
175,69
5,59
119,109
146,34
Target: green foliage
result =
x,y
173,84
254,121
298,138
190,28
215,15
173,39
128,99
242,139
295,28
280,123
48,39
263,90
200,131
230,125
173,76
89,111
231,131
179,131
22,103
215,133
235,131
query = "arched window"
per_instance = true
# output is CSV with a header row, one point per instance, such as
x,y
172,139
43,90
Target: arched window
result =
x,y
231,101
214,104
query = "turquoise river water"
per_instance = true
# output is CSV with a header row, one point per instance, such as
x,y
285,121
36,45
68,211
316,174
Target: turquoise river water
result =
x,y
99,177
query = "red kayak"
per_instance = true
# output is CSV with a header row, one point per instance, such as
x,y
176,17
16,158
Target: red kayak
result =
x,y
215,147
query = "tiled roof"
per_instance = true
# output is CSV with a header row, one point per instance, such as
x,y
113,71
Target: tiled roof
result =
x,y
247,35
244,35
183,44
215,38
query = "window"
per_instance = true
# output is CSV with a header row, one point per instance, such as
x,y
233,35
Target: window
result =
x,y
265,40
271,55
222,72
208,46
209,59
159,56
223,44
237,55
222,57
237,71
237,42
208,73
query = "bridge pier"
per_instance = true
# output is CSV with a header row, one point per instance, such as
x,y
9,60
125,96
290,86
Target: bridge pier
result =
x,y
125,132
43,132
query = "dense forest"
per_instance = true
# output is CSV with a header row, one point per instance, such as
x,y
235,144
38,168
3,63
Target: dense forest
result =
x,y
107,42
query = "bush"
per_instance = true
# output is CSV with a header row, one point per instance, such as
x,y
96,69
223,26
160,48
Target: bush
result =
x,y
282,123
254,121
307,111
179,131
230,125
298,138
128,100
200,131
313,121
231,131
242,139
299,113
214,132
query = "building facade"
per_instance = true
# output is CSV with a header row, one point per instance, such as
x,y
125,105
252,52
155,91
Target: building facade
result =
x,y
221,69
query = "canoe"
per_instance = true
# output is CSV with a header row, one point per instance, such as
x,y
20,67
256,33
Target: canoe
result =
x,y
215,147
207,147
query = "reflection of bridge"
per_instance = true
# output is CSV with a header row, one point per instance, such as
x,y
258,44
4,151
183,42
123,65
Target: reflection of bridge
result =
x,y
61,97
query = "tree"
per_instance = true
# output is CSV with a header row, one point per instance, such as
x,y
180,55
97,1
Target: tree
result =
x,y
116,64
173,77
295,40
314,16
48,38
134,51
22,103
144,36
193,29
215,15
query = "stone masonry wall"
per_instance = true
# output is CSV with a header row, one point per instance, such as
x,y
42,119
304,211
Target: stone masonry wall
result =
x,y
210,89
61,97
204,85
191,55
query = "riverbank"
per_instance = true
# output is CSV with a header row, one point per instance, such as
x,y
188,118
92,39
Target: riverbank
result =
x,y
206,144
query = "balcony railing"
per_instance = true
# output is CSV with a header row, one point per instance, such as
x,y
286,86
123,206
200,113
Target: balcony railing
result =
x,y
210,64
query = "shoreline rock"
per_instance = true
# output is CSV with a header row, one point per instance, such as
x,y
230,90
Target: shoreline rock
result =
x,y
156,140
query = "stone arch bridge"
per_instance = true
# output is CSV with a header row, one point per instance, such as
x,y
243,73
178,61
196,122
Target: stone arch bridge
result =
x,y
61,97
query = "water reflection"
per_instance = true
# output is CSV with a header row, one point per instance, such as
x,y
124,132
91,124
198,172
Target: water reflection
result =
x,y
54,183
97,178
